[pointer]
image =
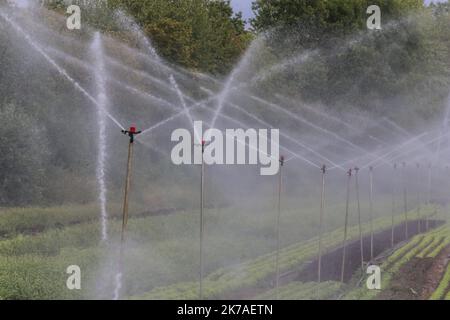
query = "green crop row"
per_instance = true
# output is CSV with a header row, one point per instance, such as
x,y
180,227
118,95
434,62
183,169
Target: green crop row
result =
x,y
256,271
415,247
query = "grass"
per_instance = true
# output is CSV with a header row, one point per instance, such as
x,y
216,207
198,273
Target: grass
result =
x,y
304,291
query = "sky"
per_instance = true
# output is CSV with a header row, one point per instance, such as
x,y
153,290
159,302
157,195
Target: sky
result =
x,y
245,6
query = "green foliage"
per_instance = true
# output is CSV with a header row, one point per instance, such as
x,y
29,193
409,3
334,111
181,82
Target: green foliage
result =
x,y
402,69
24,152
203,35
341,15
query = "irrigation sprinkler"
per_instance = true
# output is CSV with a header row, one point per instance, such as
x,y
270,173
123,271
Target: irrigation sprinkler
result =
x,y
344,244
419,226
322,203
394,177
405,199
371,211
277,261
131,133
358,202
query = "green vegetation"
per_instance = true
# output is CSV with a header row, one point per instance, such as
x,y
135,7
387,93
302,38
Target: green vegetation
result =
x,y
201,35
256,272
24,150
304,291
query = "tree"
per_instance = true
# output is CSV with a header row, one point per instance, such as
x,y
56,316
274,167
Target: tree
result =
x,y
23,147
204,35
328,15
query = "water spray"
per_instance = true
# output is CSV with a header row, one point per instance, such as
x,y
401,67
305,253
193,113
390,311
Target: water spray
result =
x,y
131,133
344,244
358,203
394,177
277,262
371,210
322,203
405,199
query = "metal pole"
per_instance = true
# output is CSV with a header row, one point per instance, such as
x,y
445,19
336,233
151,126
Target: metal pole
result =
x,y
322,202
427,222
359,218
202,225
419,226
371,211
405,200
394,178
277,267
344,245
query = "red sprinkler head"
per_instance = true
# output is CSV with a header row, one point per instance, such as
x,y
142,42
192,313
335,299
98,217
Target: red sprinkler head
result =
x,y
131,132
349,172
324,169
282,160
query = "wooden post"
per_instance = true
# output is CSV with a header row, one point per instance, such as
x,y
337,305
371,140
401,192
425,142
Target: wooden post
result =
x,y
127,189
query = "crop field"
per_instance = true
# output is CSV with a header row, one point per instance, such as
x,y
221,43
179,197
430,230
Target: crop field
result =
x,y
33,259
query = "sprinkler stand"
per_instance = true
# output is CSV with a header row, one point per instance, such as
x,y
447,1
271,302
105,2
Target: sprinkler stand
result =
x,y
358,203
344,245
322,204
277,260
